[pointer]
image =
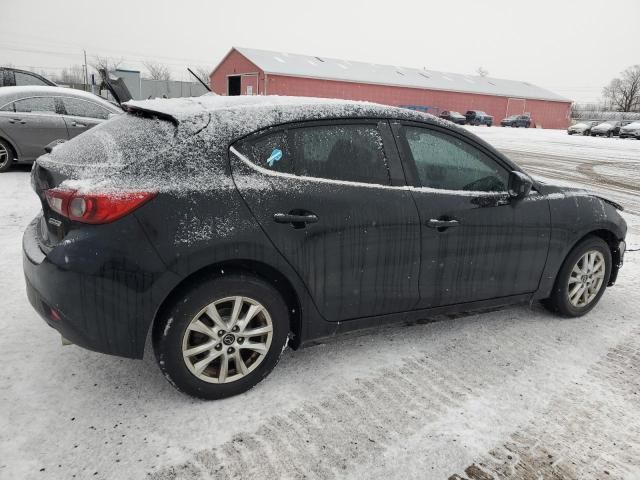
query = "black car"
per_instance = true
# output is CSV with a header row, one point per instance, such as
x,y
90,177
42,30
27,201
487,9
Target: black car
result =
x,y
517,121
14,77
608,128
454,117
230,226
478,117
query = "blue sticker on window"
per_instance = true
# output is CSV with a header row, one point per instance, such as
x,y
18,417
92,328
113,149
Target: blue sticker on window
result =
x,y
276,155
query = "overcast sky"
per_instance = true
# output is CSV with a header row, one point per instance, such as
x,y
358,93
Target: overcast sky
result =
x,y
571,47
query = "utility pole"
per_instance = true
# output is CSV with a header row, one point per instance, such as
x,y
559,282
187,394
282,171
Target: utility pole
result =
x,y
86,71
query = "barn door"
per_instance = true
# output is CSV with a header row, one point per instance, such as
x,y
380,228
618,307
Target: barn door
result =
x,y
516,106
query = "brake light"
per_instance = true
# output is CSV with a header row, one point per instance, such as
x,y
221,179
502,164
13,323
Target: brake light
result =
x,y
95,207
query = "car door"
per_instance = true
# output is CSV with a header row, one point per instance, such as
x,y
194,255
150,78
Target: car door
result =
x,y
31,124
332,198
80,115
477,242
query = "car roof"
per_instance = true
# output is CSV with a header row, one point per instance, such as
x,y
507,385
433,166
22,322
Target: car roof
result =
x,y
10,94
181,110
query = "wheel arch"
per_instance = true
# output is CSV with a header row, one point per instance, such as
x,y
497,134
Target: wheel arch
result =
x,y
259,269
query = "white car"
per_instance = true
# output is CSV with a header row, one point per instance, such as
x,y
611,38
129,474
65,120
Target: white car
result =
x,y
632,130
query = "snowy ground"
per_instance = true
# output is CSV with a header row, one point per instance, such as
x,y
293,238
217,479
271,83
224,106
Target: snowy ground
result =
x,y
515,393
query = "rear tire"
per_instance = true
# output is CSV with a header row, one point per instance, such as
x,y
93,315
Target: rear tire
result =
x,y
209,357
579,284
6,156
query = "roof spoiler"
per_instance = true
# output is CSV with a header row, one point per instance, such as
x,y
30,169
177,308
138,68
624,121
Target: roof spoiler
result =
x,y
148,112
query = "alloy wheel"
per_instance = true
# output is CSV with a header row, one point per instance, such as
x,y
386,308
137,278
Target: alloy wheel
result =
x,y
227,339
4,155
586,279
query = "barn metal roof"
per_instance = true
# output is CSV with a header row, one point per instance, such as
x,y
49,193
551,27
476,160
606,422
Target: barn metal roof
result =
x,y
309,66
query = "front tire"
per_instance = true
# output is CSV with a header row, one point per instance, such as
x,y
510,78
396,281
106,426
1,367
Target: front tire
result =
x,y
222,336
582,279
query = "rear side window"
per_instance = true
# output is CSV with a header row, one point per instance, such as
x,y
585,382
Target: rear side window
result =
x,y
84,108
36,105
270,151
349,152
445,162
341,152
26,79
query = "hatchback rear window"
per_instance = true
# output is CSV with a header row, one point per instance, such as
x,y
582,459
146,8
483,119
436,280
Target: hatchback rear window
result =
x,y
119,141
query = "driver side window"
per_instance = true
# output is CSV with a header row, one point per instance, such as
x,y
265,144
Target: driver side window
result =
x,y
447,163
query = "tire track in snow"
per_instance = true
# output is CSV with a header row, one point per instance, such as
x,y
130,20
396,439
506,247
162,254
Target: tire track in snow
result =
x,y
360,422
578,437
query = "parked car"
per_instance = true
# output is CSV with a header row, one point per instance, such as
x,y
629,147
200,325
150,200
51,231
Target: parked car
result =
x,y
581,128
454,117
229,226
14,77
478,117
606,129
631,130
33,117
516,121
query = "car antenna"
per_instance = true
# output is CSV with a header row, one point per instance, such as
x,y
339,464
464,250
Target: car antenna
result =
x,y
199,79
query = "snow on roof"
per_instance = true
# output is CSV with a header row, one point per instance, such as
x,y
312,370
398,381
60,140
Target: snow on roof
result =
x,y
182,109
335,69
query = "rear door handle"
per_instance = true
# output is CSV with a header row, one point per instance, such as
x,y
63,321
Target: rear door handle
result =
x,y
17,120
442,224
298,221
78,124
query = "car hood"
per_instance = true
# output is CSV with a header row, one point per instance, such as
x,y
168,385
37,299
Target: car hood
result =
x,y
603,127
579,126
551,190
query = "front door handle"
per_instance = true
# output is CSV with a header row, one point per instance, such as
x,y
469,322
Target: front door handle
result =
x,y
442,225
297,220
17,120
78,124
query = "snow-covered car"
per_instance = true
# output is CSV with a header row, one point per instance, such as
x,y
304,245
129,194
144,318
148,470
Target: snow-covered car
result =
x,y
231,227
455,117
478,117
606,129
631,130
581,128
33,117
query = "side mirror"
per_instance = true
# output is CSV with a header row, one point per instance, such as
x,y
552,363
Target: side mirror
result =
x,y
519,184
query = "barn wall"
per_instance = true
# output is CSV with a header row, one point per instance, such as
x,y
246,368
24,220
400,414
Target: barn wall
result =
x,y
236,64
544,113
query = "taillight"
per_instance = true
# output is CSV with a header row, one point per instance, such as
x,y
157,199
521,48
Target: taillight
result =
x,y
96,207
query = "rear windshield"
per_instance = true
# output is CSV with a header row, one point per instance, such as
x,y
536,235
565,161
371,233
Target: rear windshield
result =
x,y
118,142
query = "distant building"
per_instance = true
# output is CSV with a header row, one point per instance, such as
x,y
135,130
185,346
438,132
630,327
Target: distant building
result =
x,y
245,71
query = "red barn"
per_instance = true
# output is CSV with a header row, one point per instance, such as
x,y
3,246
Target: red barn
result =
x,y
245,71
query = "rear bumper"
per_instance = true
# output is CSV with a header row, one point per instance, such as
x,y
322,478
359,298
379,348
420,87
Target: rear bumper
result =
x,y
95,299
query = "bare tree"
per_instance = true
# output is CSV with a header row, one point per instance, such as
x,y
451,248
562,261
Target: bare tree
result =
x,y
203,73
71,75
482,72
106,63
623,94
157,71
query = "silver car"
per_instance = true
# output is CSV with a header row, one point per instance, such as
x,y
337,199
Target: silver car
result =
x,y
33,117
